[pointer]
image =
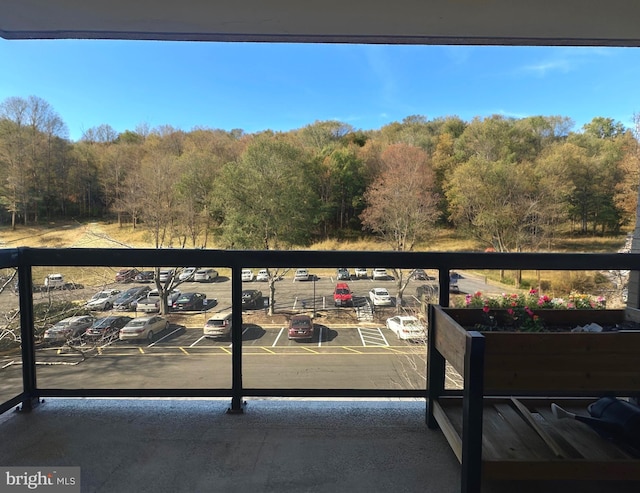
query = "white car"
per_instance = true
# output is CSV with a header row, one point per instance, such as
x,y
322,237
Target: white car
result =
x,y
247,275
205,275
263,276
165,275
361,273
380,297
301,275
187,274
377,274
407,327
103,300
54,281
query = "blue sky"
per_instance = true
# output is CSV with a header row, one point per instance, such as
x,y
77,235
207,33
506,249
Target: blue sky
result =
x,y
286,86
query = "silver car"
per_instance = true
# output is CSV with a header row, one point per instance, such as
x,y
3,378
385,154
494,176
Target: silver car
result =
x,y
142,328
68,328
219,325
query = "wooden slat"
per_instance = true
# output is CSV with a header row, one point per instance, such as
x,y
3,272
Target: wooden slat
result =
x,y
448,429
450,339
562,469
548,439
562,362
507,437
583,438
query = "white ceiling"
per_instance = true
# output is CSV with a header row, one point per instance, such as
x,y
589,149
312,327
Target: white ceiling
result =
x,y
530,22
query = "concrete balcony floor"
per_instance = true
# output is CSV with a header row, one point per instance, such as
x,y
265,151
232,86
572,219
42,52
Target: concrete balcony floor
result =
x,y
157,445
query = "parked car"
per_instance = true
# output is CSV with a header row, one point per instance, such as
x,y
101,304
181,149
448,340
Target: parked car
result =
x,y
68,328
103,300
407,327
143,328
251,298
377,274
453,285
106,327
361,273
205,275
300,327
342,274
187,274
421,275
165,275
263,276
190,302
126,275
54,281
342,295
380,297
301,275
145,276
247,275
426,290
130,297
219,325
151,302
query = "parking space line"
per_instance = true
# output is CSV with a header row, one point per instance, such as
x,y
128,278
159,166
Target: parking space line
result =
x,y
372,337
191,345
350,349
184,350
310,350
140,349
279,334
268,350
320,338
225,350
164,337
389,348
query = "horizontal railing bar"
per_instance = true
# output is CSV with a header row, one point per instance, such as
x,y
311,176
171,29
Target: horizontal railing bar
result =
x,y
246,392
306,258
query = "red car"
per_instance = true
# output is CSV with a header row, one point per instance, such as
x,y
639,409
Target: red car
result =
x,y
126,275
300,327
342,295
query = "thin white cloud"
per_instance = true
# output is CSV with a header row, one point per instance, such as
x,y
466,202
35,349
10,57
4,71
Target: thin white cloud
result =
x,y
564,60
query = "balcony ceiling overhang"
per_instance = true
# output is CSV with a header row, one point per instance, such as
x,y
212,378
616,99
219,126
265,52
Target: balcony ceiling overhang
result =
x,y
493,22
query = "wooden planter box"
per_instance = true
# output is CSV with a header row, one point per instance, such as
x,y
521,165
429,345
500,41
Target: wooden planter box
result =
x,y
502,427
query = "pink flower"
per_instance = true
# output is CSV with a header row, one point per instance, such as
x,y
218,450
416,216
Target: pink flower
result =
x,y
529,311
485,308
533,291
510,311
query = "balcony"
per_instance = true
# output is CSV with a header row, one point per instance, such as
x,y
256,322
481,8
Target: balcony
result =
x,y
169,429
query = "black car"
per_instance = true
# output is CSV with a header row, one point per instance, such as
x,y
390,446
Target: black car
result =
x,y
145,276
421,275
251,298
105,327
127,300
190,301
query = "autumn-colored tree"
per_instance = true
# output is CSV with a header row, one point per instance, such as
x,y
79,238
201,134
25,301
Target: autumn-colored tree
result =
x,y
401,203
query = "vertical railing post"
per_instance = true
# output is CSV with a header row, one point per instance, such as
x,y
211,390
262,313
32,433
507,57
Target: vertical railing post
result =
x,y
444,281
237,405
25,290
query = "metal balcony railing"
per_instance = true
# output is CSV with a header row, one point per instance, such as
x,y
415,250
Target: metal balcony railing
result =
x,y
27,258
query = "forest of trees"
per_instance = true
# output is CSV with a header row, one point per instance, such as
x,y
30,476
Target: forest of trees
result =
x,y
511,184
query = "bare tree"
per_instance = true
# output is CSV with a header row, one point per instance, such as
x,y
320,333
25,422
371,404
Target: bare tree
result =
x,y
402,206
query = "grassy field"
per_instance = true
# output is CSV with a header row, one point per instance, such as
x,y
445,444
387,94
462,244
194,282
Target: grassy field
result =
x,y
110,235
